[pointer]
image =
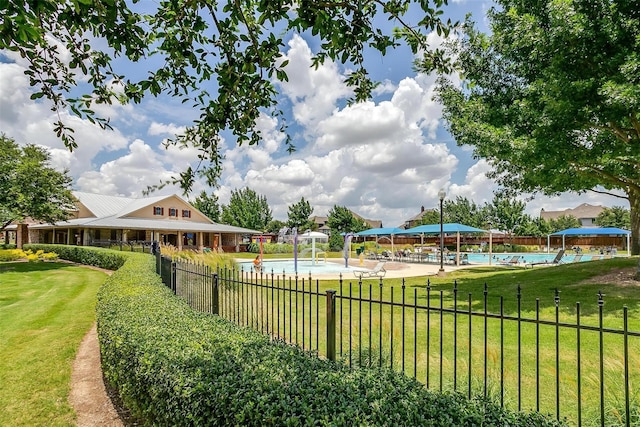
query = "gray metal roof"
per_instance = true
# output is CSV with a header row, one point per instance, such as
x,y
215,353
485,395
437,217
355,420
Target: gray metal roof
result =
x,y
148,224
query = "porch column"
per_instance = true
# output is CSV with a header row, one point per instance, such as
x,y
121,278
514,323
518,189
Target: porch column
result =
x,y
180,238
199,240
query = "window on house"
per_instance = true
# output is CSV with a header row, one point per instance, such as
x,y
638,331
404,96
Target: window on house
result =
x,y
157,210
173,212
186,213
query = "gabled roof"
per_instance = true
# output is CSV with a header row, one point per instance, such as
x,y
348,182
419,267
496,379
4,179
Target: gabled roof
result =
x,y
101,205
585,210
114,212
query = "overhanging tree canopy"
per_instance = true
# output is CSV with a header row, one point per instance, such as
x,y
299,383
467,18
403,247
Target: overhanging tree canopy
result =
x,y
234,45
551,97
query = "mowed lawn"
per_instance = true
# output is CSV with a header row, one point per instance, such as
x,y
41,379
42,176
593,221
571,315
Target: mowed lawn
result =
x,y
45,310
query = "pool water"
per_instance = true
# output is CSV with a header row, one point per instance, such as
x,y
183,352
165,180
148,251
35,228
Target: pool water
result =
x,y
525,258
304,267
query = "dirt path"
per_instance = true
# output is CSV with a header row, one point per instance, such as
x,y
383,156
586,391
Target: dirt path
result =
x,y
88,396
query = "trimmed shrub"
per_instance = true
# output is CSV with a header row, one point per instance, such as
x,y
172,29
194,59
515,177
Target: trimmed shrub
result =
x,y
174,366
97,257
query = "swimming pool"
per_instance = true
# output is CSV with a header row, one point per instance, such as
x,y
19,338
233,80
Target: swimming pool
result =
x,y
525,257
304,267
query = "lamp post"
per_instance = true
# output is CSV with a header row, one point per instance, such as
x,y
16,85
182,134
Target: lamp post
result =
x,y
441,195
490,243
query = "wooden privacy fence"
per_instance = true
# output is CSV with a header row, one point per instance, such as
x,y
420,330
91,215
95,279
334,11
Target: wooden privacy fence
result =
x,y
578,365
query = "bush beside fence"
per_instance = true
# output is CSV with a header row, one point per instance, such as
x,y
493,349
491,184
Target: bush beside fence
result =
x,y
97,257
175,366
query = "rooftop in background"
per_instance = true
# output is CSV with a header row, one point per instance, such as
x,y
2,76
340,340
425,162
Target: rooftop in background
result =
x,y
585,213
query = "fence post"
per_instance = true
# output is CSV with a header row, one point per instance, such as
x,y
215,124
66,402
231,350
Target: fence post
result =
x,y
331,324
215,295
174,269
156,251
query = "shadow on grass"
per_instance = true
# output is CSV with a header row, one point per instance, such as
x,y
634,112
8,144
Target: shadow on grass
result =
x,y
27,267
574,283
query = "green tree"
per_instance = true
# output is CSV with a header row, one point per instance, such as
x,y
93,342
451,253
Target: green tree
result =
x,y
616,216
30,187
208,205
180,46
274,226
536,227
507,213
463,211
431,216
563,222
341,220
299,216
247,209
550,97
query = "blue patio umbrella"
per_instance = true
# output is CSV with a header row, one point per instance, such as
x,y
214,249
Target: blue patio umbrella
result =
x,y
446,228
383,231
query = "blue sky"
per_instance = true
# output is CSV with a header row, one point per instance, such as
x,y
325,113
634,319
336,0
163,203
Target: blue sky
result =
x,y
383,159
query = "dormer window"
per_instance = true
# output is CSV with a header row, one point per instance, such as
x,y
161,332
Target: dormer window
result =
x,y
157,210
186,213
173,212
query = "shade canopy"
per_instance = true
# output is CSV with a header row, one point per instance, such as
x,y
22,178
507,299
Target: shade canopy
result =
x,y
586,231
446,228
313,235
385,231
591,231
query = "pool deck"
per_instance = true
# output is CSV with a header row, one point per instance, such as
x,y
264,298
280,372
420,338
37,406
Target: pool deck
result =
x,y
394,269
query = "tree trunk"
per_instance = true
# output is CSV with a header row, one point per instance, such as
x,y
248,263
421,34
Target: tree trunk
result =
x,y
634,211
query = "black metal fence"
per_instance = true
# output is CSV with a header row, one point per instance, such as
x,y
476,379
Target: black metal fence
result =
x,y
535,356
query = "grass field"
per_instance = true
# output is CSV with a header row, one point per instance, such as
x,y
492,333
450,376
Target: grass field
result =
x,y
403,340
45,310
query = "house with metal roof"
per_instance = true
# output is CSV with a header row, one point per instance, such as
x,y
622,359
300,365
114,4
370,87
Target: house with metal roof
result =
x,y
101,220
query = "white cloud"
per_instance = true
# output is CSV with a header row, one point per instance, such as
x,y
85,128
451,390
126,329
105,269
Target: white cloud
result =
x,y
170,129
313,92
128,175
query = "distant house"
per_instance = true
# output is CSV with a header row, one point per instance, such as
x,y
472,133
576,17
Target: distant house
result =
x,y
585,213
416,220
100,220
321,222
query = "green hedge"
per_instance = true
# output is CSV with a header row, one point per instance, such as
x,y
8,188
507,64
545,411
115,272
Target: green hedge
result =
x,y
174,366
97,257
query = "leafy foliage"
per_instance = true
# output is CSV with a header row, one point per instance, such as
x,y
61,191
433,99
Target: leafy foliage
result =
x,y
342,220
550,98
182,46
616,216
274,226
563,222
30,186
208,205
175,366
299,216
464,211
98,257
247,209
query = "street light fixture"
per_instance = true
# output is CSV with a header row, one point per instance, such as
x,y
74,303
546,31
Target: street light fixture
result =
x,y
441,195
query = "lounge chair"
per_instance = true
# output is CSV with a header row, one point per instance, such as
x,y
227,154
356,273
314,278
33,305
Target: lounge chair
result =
x,y
514,260
557,260
576,258
377,271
